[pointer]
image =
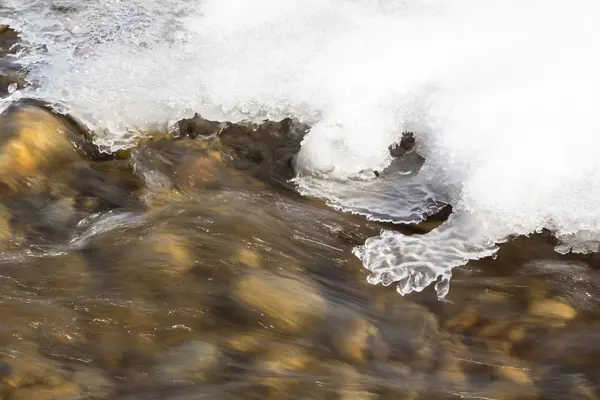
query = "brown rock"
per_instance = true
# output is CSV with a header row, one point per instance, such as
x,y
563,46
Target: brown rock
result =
x,y
250,342
247,257
515,374
36,141
287,302
550,308
68,391
464,321
281,364
358,340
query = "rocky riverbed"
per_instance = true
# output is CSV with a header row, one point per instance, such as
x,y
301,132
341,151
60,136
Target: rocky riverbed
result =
x,y
188,267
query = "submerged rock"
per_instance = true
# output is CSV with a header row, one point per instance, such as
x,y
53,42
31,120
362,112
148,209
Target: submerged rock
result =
x,y
292,304
281,367
550,308
358,341
190,362
93,383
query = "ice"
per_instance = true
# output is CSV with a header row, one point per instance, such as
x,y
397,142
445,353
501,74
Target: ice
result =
x,y
501,95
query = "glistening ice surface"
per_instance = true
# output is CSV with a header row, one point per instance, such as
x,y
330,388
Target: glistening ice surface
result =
x,y
501,96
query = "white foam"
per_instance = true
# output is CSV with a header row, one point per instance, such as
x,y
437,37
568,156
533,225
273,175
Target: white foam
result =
x,y
502,96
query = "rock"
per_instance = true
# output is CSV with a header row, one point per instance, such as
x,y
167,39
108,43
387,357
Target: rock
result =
x,y
464,320
410,329
246,257
28,370
173,249
106,185
281,364
550,308
93,383
6,234
12,80
68,391
36,141
358,340
190,362
494,329
199,171
160,265
287,302
192,128
8,39
351,387
251,342
264,150
407,143
498,347
515,374
517,334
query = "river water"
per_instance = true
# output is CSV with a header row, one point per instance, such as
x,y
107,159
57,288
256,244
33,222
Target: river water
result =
x,y
147,253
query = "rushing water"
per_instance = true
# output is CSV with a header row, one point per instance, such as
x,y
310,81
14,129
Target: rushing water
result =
x,y
491,90
206,259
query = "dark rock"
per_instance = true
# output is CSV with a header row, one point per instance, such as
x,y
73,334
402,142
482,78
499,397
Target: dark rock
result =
x,y
264,150
198,127
407,143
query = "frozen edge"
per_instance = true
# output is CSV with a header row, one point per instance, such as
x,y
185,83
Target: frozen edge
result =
x,y
417,261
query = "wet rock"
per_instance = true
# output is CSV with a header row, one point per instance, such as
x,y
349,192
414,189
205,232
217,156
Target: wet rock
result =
x,y
287,302
410,329
575,346
450,355
199,171
6,234
35,141
517,333
550,308
174,250
251,342
8,39
199,127
246,257
396,380
516,375
29,376
494,329
68,391
41,218
351,385
264,150
11,81
407,143
106,185
358,340
463,321
158,267
282,366
190,362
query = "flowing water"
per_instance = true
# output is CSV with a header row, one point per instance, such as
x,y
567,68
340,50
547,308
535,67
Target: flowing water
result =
x,y
378,201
